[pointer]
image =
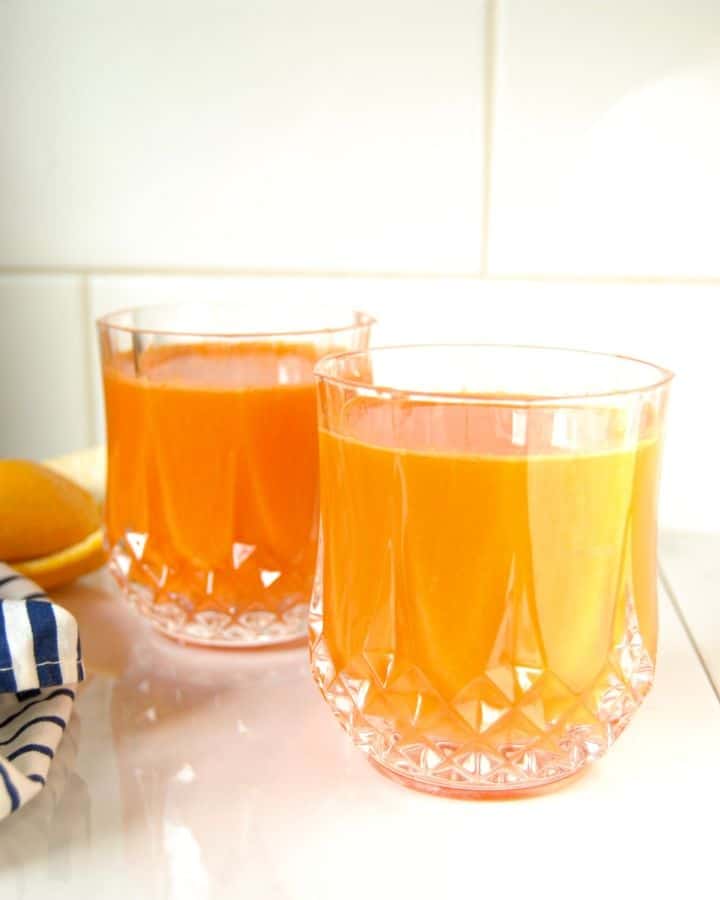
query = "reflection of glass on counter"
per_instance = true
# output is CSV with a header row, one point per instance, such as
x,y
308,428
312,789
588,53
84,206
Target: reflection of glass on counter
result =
x,y
194,754
186,744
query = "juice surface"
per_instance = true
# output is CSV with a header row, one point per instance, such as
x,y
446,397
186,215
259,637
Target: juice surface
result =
x,y
213,468
463,569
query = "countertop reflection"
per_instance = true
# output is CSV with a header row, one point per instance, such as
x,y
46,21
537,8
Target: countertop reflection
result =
x,y
197,773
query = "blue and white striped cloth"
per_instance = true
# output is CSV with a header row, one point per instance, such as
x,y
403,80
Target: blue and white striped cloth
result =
x,y
40,663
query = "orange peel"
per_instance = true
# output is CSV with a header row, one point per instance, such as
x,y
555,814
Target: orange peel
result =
x,y
49,525
66,565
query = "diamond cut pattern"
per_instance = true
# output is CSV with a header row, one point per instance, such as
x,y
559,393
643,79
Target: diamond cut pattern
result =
x,y
513,727
210,611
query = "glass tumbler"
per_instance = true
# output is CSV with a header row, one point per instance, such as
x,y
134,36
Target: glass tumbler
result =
x,y
484,615
212,509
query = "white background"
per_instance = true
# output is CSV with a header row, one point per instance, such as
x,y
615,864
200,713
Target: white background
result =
x,y
512,170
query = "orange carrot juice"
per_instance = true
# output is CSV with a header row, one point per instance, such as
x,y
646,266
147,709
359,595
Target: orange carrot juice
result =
x,y
212,479
484,596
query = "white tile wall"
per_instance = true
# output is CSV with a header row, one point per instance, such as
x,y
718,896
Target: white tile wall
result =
x,y
606,138
180,135
203,133
44,367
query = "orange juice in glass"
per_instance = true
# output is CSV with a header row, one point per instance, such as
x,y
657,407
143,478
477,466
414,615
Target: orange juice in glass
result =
x,y
484,618
211,511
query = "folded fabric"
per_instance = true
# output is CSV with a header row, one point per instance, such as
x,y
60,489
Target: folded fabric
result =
x,y
58,816
40,662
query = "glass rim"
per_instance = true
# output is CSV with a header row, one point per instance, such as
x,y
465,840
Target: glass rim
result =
x,y
364,320
385,391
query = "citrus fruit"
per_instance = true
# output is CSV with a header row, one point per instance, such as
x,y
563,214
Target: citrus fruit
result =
x,y
65,565
49,525
84,467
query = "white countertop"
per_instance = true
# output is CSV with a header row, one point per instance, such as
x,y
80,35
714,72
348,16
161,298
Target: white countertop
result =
x,y
197,774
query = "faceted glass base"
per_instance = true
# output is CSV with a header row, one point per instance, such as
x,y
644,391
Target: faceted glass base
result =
x,y
206,608
542,733
471,792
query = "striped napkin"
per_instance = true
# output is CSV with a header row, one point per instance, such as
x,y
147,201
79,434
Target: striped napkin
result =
x,y
40,663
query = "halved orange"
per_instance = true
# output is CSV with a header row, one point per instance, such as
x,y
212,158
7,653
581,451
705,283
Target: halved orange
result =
x,y
84,467
49,525
66,565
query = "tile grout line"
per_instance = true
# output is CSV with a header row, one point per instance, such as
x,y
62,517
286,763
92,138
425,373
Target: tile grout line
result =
x,y
85,304
489,128
598,279
499,277
665,582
